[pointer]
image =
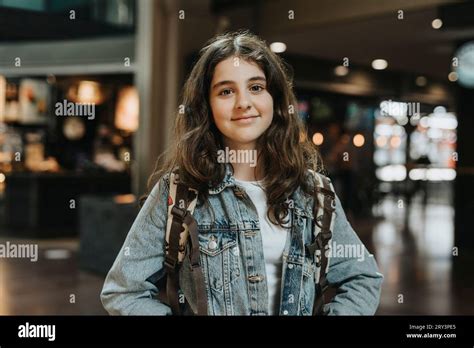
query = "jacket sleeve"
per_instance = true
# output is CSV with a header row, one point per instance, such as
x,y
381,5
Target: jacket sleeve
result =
x,y
128,289
352,270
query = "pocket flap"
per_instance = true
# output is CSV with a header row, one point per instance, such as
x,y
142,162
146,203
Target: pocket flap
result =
x,y
213,243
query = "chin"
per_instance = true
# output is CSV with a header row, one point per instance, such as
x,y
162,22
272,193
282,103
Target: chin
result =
x,y
247,140
244,141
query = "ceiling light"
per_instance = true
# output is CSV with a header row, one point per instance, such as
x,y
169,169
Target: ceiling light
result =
x,y
379,64
437,23
278,47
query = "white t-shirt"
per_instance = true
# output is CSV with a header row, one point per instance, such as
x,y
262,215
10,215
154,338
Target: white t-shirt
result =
x,y
273,239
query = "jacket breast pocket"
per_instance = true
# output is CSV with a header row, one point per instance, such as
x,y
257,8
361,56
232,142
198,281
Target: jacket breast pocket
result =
x,y
219,257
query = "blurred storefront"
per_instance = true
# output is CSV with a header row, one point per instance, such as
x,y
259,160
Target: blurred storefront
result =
x,y
68,110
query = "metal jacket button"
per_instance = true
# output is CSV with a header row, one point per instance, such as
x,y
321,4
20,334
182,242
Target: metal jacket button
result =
x,y
212,245
255,278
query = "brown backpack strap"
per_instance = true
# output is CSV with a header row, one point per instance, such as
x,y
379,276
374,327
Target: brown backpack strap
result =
x,y
197,275
322,240
181,224
172,263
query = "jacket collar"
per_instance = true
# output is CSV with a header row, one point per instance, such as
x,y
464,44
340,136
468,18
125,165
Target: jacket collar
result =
x,y
302,202
228,181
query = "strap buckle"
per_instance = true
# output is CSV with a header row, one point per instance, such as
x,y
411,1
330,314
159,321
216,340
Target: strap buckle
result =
x,y
325,191
322,238
171,263
178,212
194,265
325,236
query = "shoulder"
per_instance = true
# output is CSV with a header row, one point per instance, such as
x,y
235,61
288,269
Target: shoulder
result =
x,y
161,186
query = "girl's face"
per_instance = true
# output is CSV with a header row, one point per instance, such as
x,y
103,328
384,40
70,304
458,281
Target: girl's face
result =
x,y
241,105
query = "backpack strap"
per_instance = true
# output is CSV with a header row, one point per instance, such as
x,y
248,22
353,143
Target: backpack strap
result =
x,y
180,226
324,208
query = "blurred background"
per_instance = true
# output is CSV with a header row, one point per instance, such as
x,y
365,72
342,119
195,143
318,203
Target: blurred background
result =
x,y
385,88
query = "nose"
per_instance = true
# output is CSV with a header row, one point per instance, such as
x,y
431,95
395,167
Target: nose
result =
x,y
243,102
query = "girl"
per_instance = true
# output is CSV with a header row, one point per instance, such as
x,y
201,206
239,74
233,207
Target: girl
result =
x,y
255,219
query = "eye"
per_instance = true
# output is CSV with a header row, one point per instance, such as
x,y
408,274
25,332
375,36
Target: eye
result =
x,y
257,88
225,92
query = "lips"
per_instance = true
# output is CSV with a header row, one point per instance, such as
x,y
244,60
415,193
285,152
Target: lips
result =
x,y
244,117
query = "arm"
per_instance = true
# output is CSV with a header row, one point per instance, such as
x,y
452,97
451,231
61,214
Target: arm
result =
x,y
355,275
127,289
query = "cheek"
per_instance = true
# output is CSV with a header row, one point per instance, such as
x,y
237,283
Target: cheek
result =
x,y
220,110
266,105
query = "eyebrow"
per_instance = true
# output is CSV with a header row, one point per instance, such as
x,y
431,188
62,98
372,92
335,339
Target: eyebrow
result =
x,y
226,82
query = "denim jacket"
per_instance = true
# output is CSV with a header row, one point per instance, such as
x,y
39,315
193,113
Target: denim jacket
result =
x,y
234,271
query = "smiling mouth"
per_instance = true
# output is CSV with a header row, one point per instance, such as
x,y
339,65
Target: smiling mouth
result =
x,y
244,118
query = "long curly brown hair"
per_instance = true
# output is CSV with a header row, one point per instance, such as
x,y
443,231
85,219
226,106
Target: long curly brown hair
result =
x,y
285,151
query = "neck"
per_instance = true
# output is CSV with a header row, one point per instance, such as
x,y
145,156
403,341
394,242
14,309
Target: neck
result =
x,y
246,170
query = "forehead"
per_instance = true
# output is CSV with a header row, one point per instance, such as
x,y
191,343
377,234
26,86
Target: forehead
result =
x,y
236,68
